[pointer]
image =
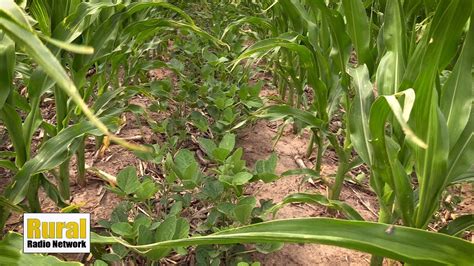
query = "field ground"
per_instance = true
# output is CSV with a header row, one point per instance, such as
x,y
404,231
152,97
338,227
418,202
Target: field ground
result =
x,y
257,140
212,132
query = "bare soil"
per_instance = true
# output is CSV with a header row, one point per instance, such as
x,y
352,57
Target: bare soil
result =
x,y
257,143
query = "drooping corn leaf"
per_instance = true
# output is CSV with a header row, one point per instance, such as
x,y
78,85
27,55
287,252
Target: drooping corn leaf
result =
x,y
319,199
458,225
11,254
397,242
386,166
281,111
255,21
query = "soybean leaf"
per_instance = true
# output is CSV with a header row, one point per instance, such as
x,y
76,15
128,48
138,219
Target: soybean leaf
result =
x,y
207,145
164,232
265,169
127,180
122,228
227,142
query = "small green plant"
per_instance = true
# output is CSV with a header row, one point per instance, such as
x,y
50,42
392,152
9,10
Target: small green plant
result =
x,y
219,191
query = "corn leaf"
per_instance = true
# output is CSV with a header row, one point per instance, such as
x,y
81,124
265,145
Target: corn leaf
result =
x,y
397,242
301,115
457,93
392,65
429,122
11,254
359,30
359,113
458,225
7,66
319,199
460,156
51,154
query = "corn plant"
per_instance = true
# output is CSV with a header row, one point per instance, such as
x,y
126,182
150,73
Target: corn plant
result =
x,y
305,54
96,35
431,131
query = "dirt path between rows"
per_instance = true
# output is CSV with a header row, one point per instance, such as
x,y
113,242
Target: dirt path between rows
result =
x,y
257,142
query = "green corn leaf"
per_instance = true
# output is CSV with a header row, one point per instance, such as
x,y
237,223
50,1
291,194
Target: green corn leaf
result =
x,y
70,47
347,210
13,12
11,254
51,154
460,156
459,225
359,30
37,85
7,164
72,26
392,65
400,180
254,21
301,115
7,66
267,45
341,42
397,242
295,13
457,93
429,122
135,7
390,103
143,30
39,11
432,167
106,32
384,162
10,206
12,122
304,171
359,113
